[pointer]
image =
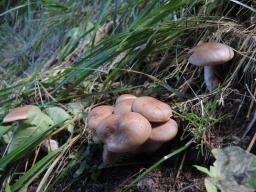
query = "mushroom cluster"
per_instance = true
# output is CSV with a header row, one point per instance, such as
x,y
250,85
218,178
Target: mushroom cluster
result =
x,y
133,125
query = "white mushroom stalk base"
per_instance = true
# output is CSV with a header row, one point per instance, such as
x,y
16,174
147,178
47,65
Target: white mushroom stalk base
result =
x,y
109,157
210,79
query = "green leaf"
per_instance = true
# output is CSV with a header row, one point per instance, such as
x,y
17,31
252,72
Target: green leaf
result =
x,y
5,129
8,188
210,187
234,170
59,115
36,123
6,138
76,109
213,171
24,148
202,169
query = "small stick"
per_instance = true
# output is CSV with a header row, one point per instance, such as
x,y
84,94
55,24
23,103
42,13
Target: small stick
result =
x,y
251,143
53,59
181,165
252,101
249,126
36,155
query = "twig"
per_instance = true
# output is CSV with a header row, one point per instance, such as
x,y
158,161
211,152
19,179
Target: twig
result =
x,y
50,62
185,188
240,106
181,165
249,126
251,143
252,101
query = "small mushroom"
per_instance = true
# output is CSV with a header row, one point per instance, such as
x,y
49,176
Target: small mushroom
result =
x,y
22,113
124,97
18,113
161,133
123,107
108,27
97,114
210,55
49,145
122,133
153,109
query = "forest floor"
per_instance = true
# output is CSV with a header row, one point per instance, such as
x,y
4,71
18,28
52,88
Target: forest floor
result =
x,y
75,58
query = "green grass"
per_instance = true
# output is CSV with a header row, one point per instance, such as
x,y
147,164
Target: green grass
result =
x,y
144,33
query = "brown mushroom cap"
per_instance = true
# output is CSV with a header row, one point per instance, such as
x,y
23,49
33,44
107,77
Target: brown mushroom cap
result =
x,y
210,54
153,109
108,27
124,97
19,113
164,132
124,133
160,134
123,107
97,114
107,127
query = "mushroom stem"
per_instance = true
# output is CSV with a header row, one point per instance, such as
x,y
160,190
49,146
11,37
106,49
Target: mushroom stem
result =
x,y
109,157
210,79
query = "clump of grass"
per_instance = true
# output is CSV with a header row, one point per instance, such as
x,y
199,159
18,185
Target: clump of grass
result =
x,y
200,118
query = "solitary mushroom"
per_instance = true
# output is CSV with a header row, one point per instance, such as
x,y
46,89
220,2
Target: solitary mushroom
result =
x,y
106,29
32,121
97,114
210,55
153,109
122,133
123,107
124,97
160,134
19,113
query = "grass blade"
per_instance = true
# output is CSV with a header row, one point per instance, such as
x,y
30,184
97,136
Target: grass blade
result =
x,y
36,170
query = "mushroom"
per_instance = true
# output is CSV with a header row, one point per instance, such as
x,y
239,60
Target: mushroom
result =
x,y
23,114
123,107
97,114
49,145
124,97
122,134
106,127
153,109
161,133
210,55
106,29
109,157
18,113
